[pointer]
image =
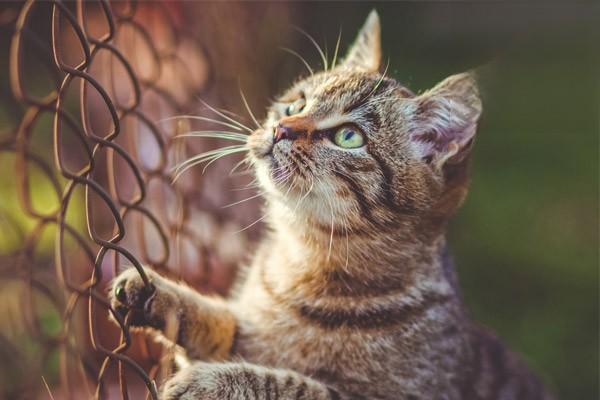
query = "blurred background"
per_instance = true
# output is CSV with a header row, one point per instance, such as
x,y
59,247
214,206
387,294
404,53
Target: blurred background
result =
x,y
525,242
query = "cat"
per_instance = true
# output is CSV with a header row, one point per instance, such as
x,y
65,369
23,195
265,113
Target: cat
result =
x,y
351,293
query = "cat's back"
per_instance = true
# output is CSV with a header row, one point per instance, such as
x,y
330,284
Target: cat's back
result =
x,y
499,373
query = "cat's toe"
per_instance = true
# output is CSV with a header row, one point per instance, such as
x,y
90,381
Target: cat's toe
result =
x,y
190,384
129,293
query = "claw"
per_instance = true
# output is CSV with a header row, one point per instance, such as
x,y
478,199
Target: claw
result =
x,y
120,294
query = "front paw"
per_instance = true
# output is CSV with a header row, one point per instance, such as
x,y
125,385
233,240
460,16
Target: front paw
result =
x,y
199,381
145,304
240,381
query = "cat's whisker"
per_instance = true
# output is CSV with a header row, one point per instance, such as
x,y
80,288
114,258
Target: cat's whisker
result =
x,y
282,168
330,246
292,185
326,56
229,112
243,200
337,48
244,160
246,187
222,155
241,173
250,185
210,153
252,224
383,76
285,179
347,244
201,118
47,388
345,218
312,184
223,115
294,53
214,134
381,101
331,211
209,156
344,221
330,238
314,42
249,110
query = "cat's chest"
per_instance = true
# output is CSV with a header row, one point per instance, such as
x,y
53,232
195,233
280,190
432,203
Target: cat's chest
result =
x,y
273,332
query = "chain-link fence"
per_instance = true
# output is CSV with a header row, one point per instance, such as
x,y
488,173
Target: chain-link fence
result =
x,y
89,156
87,151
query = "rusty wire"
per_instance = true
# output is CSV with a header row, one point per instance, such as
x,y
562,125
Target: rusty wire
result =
x,y
96,140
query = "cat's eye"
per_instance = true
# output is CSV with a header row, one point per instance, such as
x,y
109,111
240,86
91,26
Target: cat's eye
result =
x,y
296,107
348,137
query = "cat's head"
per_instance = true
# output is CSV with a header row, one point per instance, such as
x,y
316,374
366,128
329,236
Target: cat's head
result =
x,y
353,146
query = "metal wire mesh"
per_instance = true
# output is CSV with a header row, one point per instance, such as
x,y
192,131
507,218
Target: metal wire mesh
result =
x,y
102,76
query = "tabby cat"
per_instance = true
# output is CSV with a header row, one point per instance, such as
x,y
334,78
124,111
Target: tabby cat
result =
x,y
351,294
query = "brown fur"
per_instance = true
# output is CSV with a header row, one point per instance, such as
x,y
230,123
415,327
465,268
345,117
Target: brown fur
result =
x,y
350,295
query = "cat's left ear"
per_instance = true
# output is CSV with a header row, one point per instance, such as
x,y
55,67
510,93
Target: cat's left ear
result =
x,y
445,120
365,52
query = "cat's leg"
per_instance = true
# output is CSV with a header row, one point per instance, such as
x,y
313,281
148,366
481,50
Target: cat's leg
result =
x,y
202,325
241,381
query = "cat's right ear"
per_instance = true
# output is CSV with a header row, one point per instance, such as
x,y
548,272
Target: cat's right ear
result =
x,y
365,52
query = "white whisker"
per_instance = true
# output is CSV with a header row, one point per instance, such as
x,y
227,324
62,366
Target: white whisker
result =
x,y
337,48
244,160
314,42
219,156
250,185
200,118
246,187
223,115
244,200
210,153
214,134
378,82
209,157
306,64
249,110
331,211
312,184
252,224
228,112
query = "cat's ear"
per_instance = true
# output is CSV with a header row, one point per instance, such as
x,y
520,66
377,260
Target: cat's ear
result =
x,y
365,52
445,120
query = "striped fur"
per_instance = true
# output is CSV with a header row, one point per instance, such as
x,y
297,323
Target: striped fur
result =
x,y
351,294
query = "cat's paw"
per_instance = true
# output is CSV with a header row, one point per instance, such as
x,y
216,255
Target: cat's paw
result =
x,y
147,305
199,381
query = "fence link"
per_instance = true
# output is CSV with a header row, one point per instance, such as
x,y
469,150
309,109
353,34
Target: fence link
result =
x,y
89,156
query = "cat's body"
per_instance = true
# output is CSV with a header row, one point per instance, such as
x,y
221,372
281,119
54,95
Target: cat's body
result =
x,y
351,294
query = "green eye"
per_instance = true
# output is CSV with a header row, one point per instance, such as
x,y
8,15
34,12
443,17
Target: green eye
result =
x,y
348,138
296,107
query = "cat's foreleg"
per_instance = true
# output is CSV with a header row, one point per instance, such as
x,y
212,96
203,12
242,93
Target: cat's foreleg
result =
x,y
202,325
241,381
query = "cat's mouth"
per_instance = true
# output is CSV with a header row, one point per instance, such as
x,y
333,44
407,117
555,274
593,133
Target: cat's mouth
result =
x,y
289,165
276,169
286,165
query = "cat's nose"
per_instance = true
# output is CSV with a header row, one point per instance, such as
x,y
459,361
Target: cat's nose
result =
x,y
284,132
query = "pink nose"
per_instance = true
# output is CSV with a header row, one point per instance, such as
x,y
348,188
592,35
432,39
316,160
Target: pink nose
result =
x,y
284,132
